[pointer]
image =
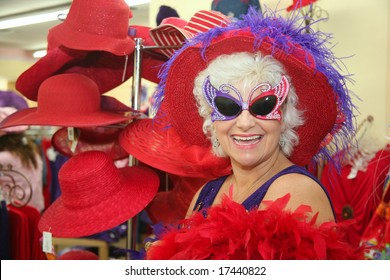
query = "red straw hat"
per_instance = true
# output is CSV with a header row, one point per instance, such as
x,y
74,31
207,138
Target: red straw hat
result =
x,y
156,143
96,25
29,81
78,254
101,138
171,206
320,87
71,100
96,196
174,31
106,69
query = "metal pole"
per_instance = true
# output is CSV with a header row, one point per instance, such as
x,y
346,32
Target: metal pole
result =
x,y
136,104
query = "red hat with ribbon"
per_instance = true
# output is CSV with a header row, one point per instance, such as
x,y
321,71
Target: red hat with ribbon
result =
x,y
175,31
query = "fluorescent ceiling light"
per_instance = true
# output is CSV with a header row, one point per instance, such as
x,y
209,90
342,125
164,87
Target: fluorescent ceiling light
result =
x,y
39,54
49,16
31,19
136,2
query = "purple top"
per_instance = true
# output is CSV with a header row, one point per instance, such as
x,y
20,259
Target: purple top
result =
x,y
210,190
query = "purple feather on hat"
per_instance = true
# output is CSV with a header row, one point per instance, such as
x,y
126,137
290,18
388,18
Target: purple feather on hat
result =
x,y
285,33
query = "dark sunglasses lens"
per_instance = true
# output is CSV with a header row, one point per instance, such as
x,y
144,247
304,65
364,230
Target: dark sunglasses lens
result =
x,y
226,106
264,105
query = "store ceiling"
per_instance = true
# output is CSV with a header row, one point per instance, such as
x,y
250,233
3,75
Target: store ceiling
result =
x,y
33,37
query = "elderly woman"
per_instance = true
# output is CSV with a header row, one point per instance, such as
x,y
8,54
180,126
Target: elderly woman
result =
x,y
263,93
249,110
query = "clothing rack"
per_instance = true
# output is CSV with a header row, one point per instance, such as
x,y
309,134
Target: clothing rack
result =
x,y
12,192
136,105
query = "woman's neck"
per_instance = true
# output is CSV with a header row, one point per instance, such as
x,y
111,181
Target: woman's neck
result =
x,y
244,180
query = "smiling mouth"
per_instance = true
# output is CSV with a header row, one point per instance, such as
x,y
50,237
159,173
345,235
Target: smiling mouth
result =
x,y
251,140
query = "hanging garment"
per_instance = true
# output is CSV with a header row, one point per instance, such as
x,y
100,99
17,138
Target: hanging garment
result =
x,y
357,198
4,232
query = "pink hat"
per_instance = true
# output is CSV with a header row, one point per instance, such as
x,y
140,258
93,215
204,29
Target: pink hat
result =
x,y
71,100
96,25
97,196
175,31
4,113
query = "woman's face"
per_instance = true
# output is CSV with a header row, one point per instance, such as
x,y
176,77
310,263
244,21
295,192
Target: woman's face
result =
x,y
247,140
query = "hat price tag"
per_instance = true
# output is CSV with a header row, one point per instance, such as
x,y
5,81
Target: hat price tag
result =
x,y
47,244
71,135
73,138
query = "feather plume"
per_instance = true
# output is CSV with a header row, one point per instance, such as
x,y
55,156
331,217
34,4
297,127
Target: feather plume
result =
x,y
229,232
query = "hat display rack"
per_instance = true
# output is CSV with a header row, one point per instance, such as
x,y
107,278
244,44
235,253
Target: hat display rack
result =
x,y
12,192
140,48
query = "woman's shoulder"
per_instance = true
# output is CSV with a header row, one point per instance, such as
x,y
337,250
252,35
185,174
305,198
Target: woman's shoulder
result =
x,y
304,190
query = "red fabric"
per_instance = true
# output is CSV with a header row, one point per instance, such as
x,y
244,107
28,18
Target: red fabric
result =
x,y
230,232
361,194
19,235
34,235
46,144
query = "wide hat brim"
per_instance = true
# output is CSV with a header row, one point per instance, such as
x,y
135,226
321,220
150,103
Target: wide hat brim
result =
x,y
116,209
34,116
103,139
106,69
29,81
162,148
316,97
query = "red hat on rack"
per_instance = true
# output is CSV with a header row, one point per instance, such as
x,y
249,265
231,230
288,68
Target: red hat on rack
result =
x,y
158,144
101,138
71,100
171,206
96,25
174,31
78,254
96,196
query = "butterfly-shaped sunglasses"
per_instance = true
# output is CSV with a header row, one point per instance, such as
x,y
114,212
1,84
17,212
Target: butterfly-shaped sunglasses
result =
x,y
265,106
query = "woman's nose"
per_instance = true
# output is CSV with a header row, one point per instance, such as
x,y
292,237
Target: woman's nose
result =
x,y
245,120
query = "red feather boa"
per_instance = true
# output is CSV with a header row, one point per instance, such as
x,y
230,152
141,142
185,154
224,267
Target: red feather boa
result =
x,y
230,232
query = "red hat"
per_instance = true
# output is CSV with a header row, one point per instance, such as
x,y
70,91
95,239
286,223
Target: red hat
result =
x,y
168,207
101,138
106,69
96,196
96,25
174,31
29,81
78,254
298,4
70,100
156,143
320,88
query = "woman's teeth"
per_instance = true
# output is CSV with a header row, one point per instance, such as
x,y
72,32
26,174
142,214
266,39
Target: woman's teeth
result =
x,y
246,140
